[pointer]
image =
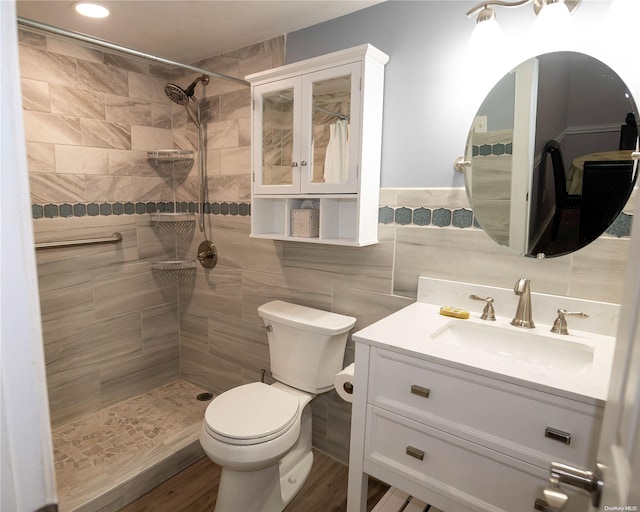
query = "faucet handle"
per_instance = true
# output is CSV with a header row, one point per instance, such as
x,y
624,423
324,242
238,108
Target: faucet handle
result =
x,y
560,324
488,312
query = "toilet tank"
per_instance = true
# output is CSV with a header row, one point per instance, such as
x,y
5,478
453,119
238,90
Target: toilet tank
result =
x,y
306,345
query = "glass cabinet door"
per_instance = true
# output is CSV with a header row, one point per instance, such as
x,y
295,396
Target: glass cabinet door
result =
x,y
332,106
306,133
276,139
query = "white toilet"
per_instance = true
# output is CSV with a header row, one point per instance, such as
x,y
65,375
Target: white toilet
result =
x,y
261,434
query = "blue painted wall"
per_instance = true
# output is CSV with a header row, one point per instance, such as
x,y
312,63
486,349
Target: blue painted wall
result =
x,y
435,83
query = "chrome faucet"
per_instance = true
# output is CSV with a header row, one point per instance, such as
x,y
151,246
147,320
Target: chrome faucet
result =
x,y
523,313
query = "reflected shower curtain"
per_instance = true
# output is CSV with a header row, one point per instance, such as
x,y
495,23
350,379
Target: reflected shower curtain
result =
x,y
336,162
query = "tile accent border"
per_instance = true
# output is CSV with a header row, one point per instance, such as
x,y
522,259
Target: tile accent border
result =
x,y
495,149
51,211
442,217
421,216
463,218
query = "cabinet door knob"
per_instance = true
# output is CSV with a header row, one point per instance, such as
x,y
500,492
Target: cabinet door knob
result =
x,y
294,164
303,163
420,391
415,452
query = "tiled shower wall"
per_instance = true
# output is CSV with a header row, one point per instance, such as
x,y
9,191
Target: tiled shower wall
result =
x,y
111,327
111,324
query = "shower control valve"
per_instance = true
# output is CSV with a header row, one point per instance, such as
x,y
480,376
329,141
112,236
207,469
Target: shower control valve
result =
x,y
207,254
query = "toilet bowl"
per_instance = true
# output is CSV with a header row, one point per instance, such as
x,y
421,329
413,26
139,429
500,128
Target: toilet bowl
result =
x,y
260,434
266,462
253,425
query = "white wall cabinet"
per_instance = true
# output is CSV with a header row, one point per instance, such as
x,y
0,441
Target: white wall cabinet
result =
x,y
316,135
461,441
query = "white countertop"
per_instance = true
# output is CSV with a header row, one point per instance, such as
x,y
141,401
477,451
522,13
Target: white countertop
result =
x,y
409,331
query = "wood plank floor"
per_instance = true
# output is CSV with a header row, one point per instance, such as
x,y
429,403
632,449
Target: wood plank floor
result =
x,y
195,488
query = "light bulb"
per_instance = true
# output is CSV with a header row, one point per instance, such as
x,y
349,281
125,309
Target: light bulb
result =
x,y
486,36
552,19
91,10
622,13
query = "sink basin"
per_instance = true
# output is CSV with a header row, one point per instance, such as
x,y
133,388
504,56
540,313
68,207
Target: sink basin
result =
x,y
516,344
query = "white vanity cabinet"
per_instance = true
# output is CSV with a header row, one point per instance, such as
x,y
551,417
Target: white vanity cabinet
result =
x,y
459,439
316,136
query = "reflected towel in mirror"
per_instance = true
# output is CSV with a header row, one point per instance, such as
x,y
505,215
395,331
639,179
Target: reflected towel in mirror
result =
x,y
336,162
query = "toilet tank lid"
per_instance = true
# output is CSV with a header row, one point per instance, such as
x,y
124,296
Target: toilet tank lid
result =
x,y
305,318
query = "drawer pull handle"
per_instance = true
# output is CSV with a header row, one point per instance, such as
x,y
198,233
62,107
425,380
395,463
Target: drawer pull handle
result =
x,y
420,391
557,435
542,505
415,452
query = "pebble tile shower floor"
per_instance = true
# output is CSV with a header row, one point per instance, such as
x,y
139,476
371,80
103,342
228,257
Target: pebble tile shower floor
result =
x,y
109,458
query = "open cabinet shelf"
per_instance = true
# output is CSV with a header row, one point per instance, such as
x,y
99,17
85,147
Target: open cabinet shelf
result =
x,y
339,221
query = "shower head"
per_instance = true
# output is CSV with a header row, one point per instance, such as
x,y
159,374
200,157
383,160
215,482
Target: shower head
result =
x,y
176,94
182,96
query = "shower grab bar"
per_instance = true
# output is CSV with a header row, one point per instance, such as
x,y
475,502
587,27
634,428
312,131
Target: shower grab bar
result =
x,y
113,239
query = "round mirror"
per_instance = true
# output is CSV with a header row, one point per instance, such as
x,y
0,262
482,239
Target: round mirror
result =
x,y
550,151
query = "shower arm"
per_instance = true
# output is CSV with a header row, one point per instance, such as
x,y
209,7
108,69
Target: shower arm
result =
x,y
191,89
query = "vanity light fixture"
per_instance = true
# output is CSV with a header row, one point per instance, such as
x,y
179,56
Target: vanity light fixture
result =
x,y
550,8
91,9
487,31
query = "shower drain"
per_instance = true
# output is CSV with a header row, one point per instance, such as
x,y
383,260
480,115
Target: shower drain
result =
x,y
205,397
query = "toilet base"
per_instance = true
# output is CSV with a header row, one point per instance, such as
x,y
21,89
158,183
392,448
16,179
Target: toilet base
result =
x,y
269,489
291,483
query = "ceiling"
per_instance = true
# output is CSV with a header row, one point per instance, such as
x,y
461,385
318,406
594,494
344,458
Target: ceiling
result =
x,y
187,31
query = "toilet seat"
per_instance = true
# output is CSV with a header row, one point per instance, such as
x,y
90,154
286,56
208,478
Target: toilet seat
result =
x,y
251,414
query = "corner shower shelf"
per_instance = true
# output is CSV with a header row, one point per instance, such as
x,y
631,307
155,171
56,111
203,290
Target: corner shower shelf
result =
x,y
173,265
170,155
172,217
170,162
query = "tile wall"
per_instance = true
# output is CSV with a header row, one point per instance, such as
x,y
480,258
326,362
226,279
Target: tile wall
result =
x,y
222,338
111,327
492,164
111,323
114,327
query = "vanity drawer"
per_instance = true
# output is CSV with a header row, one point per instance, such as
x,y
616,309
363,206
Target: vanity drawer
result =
x,y
476,477
518,421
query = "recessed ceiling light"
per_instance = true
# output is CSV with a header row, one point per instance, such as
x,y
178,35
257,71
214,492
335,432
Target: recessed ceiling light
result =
x,y
91,10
